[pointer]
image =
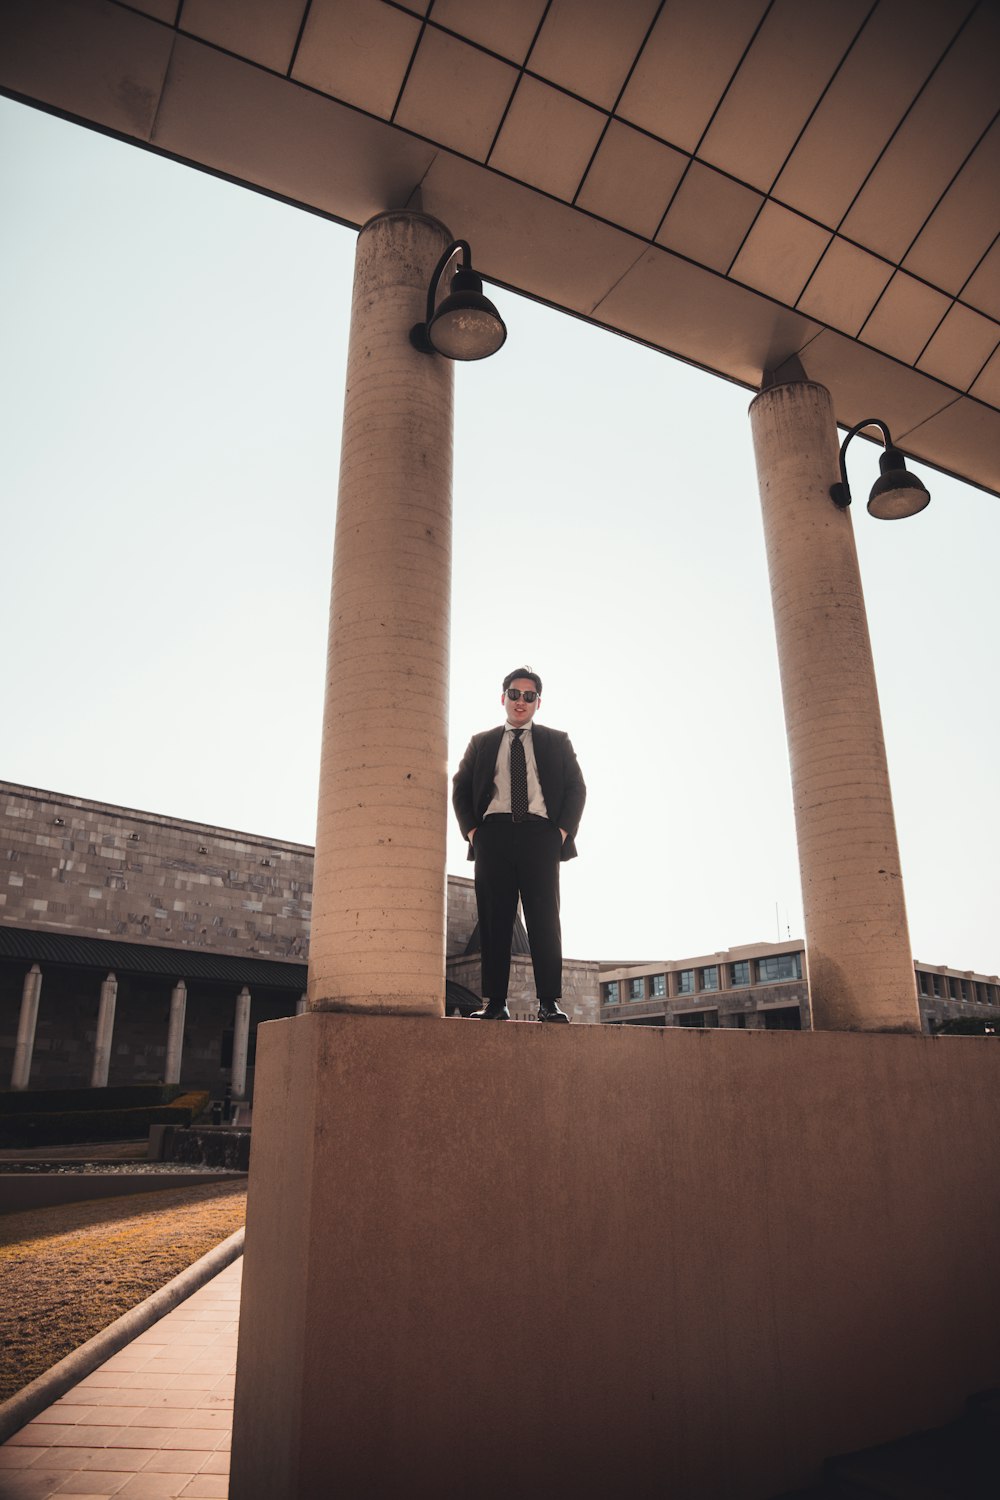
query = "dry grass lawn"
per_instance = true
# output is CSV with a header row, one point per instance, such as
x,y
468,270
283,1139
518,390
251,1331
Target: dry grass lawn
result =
x,y
67,1272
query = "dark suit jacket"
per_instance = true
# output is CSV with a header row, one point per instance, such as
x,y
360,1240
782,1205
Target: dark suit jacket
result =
x,y
558,771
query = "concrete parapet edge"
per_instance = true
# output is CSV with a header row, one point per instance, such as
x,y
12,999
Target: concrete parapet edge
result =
x,y
23,1192
55,1382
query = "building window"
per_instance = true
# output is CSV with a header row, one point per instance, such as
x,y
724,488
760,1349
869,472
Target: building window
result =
x,y
685,981
709,1018
739,973
710,977
922,982
953,987
610,992
779,966
964,987
658,985
936,984
637,989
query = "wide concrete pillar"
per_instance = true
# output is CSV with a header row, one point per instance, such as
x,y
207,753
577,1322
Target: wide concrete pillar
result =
x,y
105,1033
175,1033
378,923
26,1023
241,1044
857,940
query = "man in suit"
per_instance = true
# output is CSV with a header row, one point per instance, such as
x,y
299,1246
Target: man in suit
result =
x,y
518,796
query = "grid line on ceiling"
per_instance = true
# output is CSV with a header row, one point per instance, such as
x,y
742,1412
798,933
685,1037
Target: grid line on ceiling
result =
x,y
985,362
988,251
954,298
298,38
718,105
409,65
945,51
768,195
613,113
517,82
823,93
951,182
795,145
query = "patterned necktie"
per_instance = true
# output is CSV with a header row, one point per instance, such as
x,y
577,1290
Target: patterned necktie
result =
x,y
518,779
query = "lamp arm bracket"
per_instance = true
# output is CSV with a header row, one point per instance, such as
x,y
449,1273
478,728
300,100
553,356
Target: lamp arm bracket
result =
x,y
439,270
840,493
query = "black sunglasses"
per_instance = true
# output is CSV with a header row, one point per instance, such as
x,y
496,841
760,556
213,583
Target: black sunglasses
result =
x,y
514,693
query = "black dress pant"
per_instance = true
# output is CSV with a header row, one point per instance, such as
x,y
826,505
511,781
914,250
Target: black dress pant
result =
x,y
518,859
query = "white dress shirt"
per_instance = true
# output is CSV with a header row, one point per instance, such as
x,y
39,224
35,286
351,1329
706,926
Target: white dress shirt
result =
x,y
500,802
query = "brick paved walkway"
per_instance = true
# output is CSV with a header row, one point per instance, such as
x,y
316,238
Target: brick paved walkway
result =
x,y
155,1420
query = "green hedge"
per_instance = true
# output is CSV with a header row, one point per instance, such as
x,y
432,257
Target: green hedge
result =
x,y
62,1101
67,1127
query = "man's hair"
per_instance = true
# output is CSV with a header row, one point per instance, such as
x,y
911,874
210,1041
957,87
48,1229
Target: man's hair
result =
x,y
523,672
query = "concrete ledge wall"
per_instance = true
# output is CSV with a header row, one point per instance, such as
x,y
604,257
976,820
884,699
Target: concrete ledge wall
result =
x,y
594,1260
22,1191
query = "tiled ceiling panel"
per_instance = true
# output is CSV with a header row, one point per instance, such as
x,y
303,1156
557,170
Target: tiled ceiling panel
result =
x,y
960,347
456,94
904,318
791,60
877,117
263,30
844,287
880,77
709,217
631,179
245,122
947,437
547,139
930,148
686,65
519,235
589,46
663,298
965,222
506,28
869,386
163,10
87,58
780,253
358,51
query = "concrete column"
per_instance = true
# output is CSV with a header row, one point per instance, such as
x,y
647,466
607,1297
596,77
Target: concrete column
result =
x,y
105,1033
857,940
241,1044
302,1005
27,1020
175,1033
378,924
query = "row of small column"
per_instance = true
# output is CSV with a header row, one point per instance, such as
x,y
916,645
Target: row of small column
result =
x,y
28,1020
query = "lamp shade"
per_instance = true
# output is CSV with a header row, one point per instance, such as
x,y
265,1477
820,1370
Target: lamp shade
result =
x,y
896,493
466,325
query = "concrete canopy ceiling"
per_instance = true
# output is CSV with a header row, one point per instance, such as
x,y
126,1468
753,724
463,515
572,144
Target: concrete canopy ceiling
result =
x,y
740,183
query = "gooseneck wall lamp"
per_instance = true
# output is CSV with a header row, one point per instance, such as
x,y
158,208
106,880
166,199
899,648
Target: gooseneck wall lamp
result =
x,y
466,325
896,493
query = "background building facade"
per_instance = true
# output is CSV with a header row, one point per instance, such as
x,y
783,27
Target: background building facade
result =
x,y
159,908
764,986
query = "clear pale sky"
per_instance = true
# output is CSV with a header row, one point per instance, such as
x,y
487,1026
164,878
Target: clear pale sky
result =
x,y
172,383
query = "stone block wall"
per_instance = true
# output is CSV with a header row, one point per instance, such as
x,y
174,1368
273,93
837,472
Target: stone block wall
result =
x,y
462,914
111,872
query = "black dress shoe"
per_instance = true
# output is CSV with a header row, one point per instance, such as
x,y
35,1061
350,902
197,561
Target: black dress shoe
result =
x,y
493,1010
548,1010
